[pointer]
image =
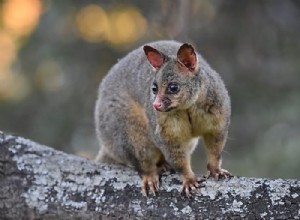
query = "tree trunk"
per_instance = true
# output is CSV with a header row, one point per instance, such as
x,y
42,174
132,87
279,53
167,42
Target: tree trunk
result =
x,y
38,182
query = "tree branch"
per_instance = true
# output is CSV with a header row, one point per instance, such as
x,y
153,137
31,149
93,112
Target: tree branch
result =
x,y
40,182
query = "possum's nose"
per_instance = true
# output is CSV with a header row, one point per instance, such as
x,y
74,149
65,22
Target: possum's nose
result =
x,y
161,103
157,104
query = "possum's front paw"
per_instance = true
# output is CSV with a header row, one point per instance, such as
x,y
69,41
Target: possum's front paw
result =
x,y
190,184
218,173
150,181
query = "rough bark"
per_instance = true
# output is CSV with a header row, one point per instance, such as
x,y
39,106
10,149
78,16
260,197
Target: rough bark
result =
x,y
38,182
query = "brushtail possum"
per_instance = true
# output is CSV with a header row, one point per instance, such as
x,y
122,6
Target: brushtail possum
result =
x,y
152,108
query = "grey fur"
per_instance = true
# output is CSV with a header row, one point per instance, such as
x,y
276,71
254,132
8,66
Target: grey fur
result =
x,y
130,80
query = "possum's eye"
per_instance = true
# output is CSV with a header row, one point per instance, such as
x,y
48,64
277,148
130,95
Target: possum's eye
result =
x,y
154,88
173,87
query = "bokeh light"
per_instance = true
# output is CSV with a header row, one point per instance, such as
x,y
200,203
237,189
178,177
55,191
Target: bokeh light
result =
x,y
127,25
14,87
20,17
92,23
121,25
7,53
49,76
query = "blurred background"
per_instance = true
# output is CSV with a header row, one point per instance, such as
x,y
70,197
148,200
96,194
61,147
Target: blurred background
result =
x,y
53,54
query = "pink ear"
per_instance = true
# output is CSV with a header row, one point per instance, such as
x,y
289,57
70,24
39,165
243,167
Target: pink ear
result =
x,y
155,57
187,56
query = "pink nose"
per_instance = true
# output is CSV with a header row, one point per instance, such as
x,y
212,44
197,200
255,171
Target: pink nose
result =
x,y
157,105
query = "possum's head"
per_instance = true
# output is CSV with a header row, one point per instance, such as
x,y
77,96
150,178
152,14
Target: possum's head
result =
x,y
176,84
